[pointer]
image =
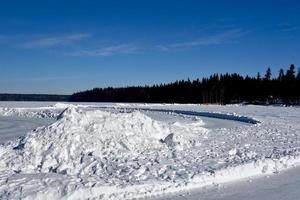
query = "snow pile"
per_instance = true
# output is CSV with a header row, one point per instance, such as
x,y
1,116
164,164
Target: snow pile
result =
x,y
80,141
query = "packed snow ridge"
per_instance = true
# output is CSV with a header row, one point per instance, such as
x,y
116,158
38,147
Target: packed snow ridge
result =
x,y
92,153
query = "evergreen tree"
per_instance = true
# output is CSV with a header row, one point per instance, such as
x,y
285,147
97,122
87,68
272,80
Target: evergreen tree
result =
x,y
281,75
268,74
258,77
290,74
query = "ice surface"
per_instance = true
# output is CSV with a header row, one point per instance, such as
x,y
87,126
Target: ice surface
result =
x,y
14,127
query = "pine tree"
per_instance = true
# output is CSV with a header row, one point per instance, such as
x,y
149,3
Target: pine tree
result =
x,y
290,74
268,74
258,77
281,75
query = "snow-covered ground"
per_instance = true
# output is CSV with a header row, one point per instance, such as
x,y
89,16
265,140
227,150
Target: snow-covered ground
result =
x,y
13,127
125,151
281,186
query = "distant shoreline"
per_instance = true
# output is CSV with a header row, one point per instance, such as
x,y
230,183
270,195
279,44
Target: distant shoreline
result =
x,y
33,97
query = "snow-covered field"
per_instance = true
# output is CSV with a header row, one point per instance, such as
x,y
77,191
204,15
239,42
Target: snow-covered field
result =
x,y
126,151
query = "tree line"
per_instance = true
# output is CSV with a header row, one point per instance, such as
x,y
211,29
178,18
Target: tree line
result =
x,y
218,88
33,97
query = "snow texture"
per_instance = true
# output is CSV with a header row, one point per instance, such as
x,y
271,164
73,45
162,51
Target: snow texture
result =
x,y
122,153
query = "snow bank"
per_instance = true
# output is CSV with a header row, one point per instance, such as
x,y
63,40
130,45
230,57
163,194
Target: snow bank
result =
x,y
73,144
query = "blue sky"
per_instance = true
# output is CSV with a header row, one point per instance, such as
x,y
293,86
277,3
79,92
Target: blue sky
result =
x,y
68,46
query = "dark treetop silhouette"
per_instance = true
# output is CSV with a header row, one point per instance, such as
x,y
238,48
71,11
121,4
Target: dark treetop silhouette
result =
x,y
33,97
218,88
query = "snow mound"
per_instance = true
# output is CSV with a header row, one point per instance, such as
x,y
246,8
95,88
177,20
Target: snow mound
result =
x,y
80,138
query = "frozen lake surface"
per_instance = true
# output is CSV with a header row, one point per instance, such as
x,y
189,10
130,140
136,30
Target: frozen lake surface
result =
x,y
13,127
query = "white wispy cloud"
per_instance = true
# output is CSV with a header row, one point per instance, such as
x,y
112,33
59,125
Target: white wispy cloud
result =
x,y
48,42
106,51
79,44
83,44
219,38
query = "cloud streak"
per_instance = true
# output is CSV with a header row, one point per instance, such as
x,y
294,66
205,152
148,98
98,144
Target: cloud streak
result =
x,y
106,51
220,38
79,44
49,42
83,45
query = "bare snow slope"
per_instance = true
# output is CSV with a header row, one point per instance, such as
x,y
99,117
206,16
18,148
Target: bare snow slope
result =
x,y
94,153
